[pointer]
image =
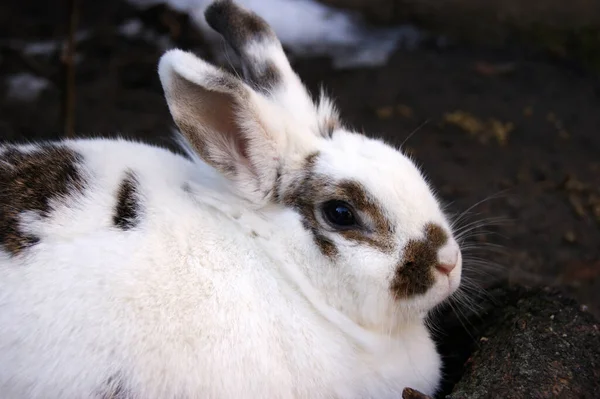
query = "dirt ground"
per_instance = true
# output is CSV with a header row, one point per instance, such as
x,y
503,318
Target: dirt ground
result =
x,y
514,136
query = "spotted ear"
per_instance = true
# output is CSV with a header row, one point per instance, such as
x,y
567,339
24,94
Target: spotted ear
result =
x,y
266,67
225,122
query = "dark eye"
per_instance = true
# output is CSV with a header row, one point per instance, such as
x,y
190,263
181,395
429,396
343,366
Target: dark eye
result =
x,y
339,214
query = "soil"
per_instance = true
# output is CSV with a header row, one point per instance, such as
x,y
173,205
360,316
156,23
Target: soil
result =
x,y
510,137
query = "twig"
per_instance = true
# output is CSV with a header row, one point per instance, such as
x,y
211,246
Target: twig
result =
x,y
68,61
410,393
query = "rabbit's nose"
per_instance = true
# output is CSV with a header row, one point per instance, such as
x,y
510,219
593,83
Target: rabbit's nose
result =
x,y
448,258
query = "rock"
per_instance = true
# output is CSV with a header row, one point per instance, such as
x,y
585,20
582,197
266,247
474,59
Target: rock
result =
x,y
532,343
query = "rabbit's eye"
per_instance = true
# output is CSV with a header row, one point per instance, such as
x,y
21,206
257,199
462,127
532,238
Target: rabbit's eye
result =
x,y
339,214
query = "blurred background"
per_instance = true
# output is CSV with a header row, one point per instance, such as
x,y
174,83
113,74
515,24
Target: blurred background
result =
x,y
498,101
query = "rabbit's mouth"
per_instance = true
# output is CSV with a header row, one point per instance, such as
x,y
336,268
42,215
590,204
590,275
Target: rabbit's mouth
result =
x,y
447,283
454,276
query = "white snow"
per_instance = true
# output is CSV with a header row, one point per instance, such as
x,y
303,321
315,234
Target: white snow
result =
x,y
41,48
135,28
25,86
46,47
131,28
309,28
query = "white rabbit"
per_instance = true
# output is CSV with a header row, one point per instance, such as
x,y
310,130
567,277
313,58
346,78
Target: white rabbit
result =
x,y
287,258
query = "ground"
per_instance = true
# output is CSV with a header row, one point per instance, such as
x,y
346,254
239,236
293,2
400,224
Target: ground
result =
x,y
515,136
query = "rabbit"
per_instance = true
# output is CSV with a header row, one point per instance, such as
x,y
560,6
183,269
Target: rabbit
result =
x,y
280,255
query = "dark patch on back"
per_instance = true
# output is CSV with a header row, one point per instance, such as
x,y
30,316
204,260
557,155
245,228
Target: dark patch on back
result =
x,y
415,273
127,210
30,181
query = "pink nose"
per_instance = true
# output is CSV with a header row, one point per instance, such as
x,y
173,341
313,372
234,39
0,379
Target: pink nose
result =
x,y
448,259
446,268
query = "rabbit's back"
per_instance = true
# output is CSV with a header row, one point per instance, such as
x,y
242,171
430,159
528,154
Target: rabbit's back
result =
x,y
115,278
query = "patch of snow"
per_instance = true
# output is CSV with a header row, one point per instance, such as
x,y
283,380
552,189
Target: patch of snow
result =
x,y
131,28
309,28
134,28
41,48
46,47
25,86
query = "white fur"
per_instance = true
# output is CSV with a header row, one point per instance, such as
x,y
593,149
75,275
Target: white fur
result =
x,y
219,293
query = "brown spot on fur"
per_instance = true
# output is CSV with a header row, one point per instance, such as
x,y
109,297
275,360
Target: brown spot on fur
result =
x,y
30,181
311,160
415,275
310,191
127,210
264,79
239,27
436,235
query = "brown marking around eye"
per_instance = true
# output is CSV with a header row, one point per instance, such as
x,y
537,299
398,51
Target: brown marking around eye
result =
x,y
302,196
414,275
310,191
382,237
30,181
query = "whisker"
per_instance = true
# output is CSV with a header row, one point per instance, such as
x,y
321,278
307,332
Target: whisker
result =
x,y
483,246
491,221
476,260
414,131
460,316
463,214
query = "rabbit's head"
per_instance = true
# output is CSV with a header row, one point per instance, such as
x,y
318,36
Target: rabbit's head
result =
x,y
380,249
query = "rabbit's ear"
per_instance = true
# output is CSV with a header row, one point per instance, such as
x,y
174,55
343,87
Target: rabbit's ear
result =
x,y
266,68
226,123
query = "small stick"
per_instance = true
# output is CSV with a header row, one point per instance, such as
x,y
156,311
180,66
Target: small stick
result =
x,y
410,393
68,61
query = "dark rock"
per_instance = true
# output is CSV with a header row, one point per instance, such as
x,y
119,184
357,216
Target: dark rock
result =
x,y
532,343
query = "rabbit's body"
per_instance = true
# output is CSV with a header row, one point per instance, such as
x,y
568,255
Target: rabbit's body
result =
x,y
188,289
285,257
